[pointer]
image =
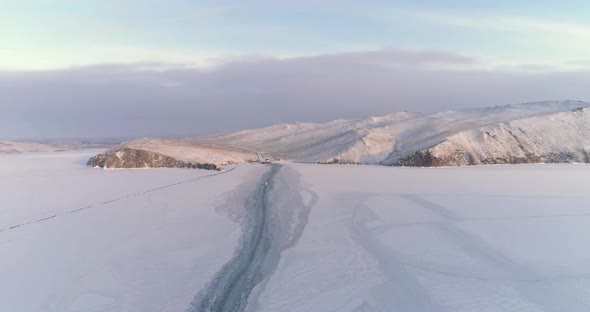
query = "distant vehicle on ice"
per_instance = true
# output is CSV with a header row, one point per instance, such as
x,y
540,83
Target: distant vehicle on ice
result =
x,y
266,161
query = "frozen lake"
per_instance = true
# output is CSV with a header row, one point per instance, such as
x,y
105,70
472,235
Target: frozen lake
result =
x,y
343,238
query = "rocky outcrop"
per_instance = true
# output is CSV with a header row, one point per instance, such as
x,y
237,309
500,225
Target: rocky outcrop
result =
x,y
426,158
337,161
136,158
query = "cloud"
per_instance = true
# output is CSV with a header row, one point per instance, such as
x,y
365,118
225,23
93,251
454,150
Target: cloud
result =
x,y
53,58
503,39
391,58
501,22
161,99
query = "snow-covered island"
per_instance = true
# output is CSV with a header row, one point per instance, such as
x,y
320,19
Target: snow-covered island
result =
x,y
541,132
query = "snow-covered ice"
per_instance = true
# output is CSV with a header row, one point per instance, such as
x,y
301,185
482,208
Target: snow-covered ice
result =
x,y
498,238
130,251
368,238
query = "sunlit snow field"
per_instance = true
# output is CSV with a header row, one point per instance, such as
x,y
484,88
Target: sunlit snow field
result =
x,y
495,238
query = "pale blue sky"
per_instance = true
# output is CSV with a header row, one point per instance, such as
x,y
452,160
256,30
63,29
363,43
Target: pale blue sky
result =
x,y
44,34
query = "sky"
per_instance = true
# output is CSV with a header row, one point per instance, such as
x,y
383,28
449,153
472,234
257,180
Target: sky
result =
x,y
127,68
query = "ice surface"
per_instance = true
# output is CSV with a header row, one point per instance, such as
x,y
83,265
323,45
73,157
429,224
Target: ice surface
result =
x,y
496,238
130,251
370,238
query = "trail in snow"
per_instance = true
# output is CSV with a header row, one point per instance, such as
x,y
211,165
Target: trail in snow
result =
x,y
12,227
231,287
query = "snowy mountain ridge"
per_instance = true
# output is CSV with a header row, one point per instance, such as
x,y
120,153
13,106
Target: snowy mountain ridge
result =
x,y
10,147
551,131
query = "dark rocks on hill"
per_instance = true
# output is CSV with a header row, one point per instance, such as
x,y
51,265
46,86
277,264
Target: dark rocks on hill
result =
x,y
135,158
425,158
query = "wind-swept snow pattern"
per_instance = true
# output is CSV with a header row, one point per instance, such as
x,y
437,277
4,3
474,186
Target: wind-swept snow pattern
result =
x,y
553,131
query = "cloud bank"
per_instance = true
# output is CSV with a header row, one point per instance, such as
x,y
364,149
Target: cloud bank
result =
x,y
155,99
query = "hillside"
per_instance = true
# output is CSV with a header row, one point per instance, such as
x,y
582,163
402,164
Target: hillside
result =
x,y
552,131
557,138
146,153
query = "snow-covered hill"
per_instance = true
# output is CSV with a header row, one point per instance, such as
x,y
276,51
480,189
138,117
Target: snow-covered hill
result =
x,y
9,147
54,145
552,131
145,153
557,138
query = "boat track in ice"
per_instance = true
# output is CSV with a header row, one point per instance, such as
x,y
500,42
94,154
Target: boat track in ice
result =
x,y
272,220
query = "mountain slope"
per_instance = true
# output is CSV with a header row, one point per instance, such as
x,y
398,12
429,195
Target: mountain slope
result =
x,y
552,131
556,138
